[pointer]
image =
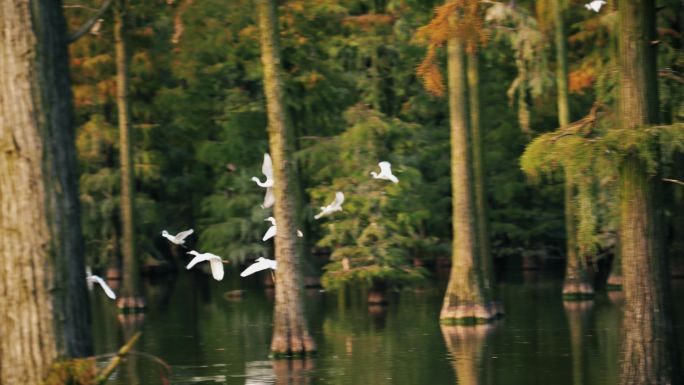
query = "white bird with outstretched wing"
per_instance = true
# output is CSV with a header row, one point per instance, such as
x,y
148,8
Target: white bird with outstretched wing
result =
x,y
385,172
260,264
178,239
595,5
215,263
336,205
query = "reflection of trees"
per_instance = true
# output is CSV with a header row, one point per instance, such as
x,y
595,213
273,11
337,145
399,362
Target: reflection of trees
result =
x,y
577,313
467,345
130,324
293,372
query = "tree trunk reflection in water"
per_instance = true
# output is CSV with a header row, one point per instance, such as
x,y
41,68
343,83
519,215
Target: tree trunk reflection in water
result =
x,y
293,372
577,313
131,324
467,346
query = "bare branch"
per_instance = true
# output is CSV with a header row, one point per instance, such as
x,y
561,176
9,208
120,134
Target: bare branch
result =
x,y
90,23
675,181
79,6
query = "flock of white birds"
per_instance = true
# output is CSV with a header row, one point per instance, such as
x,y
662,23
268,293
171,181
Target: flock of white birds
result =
x,y
261,263
216,262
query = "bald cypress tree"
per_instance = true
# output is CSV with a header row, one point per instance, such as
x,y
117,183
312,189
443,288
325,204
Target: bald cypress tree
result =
x,y
43,304
649,353
290,331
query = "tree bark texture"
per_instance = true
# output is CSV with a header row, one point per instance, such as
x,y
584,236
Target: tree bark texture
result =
x,y
130,297
43,301
649,354
465,300
290,331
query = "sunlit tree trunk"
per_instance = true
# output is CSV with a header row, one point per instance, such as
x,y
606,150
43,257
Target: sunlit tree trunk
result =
x,y
130,297
577,284
466,299
290,331
43,305
473,79
649,353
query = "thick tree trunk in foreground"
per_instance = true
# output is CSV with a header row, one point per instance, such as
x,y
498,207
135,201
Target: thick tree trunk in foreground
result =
x,y
290,332
130,297
649,353
466,299
577,284
482,222
43,305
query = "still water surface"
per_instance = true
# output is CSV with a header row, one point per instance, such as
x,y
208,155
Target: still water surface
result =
x,y
208,338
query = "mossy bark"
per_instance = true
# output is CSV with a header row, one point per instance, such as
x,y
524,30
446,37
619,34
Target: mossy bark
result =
x,y
649,353
130,298
577,284
43,304
291,335
466,299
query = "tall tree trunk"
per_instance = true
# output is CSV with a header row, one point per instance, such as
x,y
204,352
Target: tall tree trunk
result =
x,y
466,299
649,353
43,305
577,284
130,298
482,222
290,331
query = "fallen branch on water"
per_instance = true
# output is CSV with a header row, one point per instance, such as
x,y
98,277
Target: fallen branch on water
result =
x,y
107,371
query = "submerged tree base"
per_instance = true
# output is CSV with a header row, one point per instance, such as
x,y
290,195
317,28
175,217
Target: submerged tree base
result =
x,y
614,283
577,291
291,347
471,314
131,304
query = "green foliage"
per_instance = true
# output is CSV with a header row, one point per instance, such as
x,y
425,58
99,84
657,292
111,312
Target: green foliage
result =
x,y
383,224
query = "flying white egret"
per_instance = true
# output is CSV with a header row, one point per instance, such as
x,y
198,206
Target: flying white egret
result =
x,y
269,198
260,264
95,279
385,172
271,232
266,169
178,239
215,262
336,205
595,5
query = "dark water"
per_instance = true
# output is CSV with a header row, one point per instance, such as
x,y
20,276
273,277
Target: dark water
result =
x,y
209,339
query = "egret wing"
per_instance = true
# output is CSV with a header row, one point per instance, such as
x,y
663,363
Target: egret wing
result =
x,y
385,168
270,233
339,199
216,267
253,268
269,198
196,260
267,167
183,234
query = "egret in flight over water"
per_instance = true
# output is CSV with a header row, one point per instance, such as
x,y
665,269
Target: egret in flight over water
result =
x,y
595,5
215,262
178,239
260,264
95,279
385,172
336,205
266,169
271,232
